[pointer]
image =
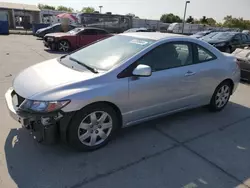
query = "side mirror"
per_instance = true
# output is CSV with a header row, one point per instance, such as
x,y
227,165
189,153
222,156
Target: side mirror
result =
x,y
142,71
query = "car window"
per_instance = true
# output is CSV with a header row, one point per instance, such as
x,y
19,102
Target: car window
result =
x,y
89,32
169,55
244,38
57,28
204,55
237,37
101,32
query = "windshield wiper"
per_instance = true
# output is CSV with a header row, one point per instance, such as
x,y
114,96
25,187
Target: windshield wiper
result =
x,y
80,63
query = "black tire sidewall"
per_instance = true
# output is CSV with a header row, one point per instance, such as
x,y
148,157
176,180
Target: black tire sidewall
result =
x,y
73,139
212,105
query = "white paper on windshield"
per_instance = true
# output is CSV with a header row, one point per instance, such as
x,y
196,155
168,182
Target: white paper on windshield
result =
x,y
140,42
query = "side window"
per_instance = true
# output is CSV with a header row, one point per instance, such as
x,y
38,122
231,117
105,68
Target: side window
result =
x,y
244,38
237,38
101,32
89,32
204,55
169,55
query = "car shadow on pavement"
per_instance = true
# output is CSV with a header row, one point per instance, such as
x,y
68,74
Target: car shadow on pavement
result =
x,y
55,52
31,164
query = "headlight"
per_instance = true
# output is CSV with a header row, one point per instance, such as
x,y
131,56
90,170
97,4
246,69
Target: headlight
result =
x,y
220,44
43,106
51,39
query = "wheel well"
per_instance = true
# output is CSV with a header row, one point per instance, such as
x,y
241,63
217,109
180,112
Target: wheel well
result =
x,y
117,110
230,82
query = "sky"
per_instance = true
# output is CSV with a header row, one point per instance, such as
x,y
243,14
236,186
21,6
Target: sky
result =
x,y
153,9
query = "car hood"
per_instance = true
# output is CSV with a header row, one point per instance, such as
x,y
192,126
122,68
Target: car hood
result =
x,y
57,34
41,30
47,75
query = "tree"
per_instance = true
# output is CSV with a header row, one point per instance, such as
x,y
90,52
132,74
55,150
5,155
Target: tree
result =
x,y
240,23
203,20
170,18
211,21
43,6
88,10
63,8
190,19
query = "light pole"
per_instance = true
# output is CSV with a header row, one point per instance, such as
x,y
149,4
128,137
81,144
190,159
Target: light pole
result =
x,y
184,17
100,9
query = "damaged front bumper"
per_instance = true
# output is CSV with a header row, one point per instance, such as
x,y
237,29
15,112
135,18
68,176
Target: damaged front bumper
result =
x,y
45,127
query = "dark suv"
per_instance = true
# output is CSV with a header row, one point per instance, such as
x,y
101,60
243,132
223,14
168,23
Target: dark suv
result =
x,y
229,41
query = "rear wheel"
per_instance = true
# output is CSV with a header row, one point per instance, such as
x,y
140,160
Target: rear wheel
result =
x,y
93,127
221,96
64,46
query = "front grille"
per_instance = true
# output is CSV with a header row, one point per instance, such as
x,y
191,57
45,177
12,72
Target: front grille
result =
x,y
20,99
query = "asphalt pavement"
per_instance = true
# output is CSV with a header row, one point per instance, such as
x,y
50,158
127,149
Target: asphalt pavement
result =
x,y
192,149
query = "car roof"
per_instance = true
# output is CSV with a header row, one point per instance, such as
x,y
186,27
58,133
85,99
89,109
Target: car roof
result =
x,y
153,35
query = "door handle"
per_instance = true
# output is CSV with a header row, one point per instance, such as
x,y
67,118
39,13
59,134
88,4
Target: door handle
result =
x,y
190,73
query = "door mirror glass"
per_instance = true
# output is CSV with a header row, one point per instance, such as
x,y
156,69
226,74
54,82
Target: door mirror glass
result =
x,y
142,71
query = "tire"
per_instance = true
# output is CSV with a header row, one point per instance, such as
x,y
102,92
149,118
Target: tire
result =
x,y
64,46
87,129
220,97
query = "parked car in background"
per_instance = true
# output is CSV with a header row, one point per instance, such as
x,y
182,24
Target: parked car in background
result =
x,y
246,32
85,97
208,36
201,34
243,57
52,29
228,41
138,30
74,39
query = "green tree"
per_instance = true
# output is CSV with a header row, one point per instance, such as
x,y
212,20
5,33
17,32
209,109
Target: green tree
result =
x,y
232,22
63,8
211,21
170,18
203,20
88,10
190,19
43,6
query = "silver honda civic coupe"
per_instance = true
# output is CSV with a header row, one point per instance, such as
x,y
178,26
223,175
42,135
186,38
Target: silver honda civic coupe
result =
x,y
85,97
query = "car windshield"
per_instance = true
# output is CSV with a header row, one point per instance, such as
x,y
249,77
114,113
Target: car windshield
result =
x,y
210,35
107,53
223,36
202,33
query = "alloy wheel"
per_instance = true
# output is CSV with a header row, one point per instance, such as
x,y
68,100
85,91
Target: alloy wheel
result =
x,y
63,46
222,96
95,128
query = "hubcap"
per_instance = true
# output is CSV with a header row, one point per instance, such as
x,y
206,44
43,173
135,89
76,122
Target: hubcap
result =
x,y
95,128
222,96
64,46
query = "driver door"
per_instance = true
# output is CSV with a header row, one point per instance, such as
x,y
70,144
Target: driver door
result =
x,y
87,36
171,86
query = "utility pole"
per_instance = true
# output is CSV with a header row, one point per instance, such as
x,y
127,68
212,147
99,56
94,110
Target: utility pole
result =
x,y
100,9
184,17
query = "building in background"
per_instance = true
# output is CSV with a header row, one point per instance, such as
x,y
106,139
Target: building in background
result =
x,y
20,15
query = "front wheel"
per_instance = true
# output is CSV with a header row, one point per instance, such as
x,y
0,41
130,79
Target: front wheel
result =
x,y
64,46
93,127
220,97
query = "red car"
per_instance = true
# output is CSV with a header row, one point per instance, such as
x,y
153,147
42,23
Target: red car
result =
x,y
74,39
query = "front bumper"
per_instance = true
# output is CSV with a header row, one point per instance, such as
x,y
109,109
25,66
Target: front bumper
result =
x,y
51,45
44,127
